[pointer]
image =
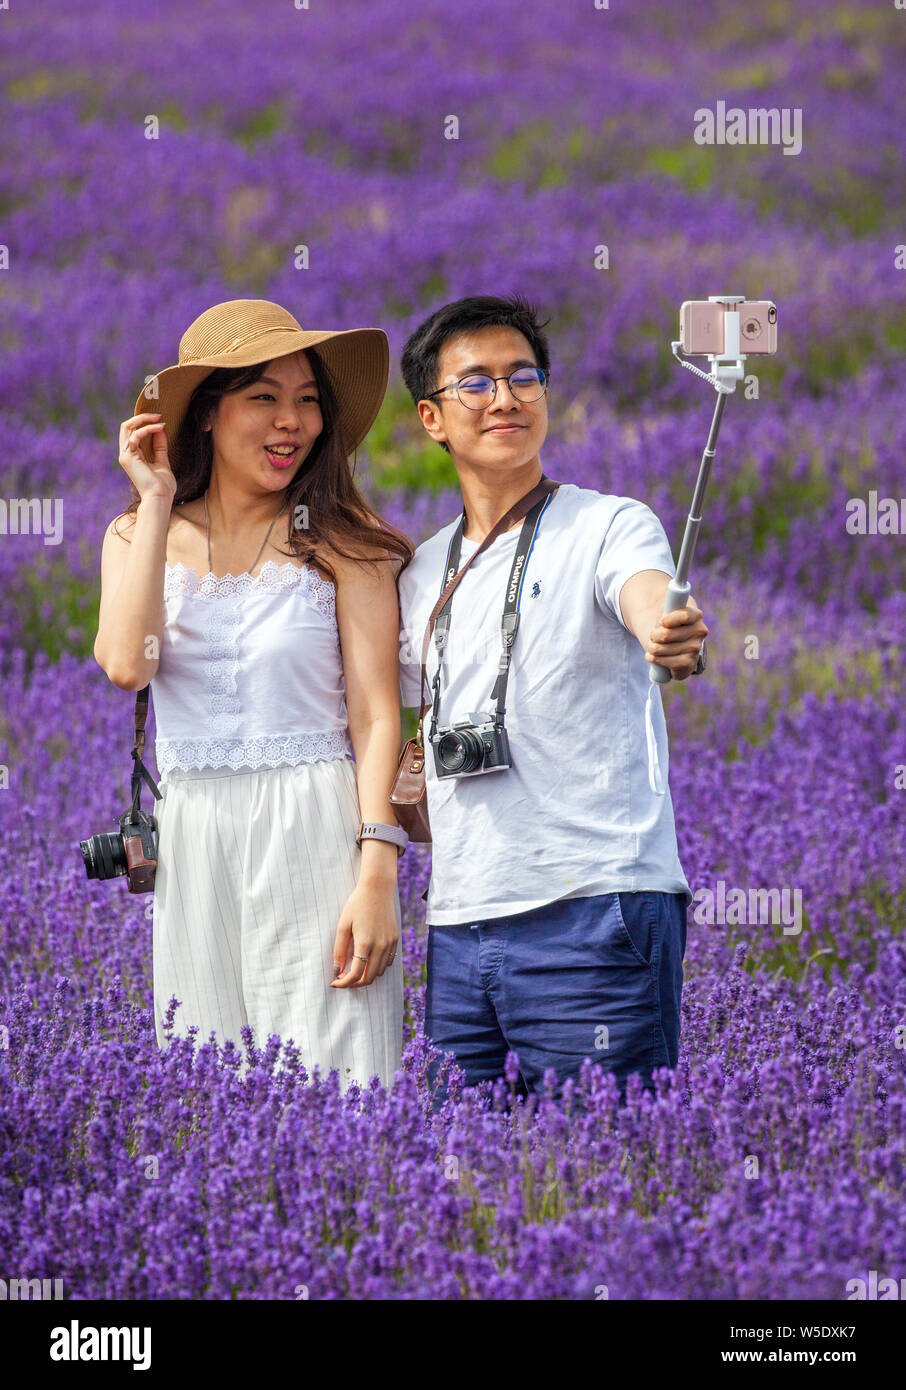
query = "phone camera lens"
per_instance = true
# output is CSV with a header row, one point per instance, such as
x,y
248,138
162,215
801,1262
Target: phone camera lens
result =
x,y
772,314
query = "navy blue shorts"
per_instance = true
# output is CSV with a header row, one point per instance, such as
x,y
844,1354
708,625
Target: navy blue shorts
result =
x,y
598,977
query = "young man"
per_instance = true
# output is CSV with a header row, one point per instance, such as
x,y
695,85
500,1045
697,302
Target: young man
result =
x,y
557,902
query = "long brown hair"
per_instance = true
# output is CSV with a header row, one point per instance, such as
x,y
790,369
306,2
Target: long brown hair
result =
x,y
323,483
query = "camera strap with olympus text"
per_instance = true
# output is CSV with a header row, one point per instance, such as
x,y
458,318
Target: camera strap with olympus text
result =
x,y
407,795
509,621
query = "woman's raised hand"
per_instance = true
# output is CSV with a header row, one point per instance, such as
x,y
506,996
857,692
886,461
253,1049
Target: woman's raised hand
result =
x,y
155,479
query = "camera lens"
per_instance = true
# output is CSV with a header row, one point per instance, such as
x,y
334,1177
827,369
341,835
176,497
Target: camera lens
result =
x,y
104,856
772,314
460,752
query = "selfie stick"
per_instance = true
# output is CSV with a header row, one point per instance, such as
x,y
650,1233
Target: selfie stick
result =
x,y
726,369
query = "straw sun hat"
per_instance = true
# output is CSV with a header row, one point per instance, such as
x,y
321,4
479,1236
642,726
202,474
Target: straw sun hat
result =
x,y
241,332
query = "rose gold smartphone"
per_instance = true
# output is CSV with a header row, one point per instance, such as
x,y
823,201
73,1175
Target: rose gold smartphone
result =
x,y
702,326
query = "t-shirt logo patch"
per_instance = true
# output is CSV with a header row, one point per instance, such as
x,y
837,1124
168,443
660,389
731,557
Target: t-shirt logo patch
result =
x,y
536,588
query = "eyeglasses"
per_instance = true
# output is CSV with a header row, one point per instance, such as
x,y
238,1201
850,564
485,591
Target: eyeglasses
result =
x,y
477,392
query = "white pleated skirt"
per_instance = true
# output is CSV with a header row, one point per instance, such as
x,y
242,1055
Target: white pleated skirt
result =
x,y
254,869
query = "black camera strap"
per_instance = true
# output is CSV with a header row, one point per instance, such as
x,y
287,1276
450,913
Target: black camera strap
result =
x,y
509,621
139,771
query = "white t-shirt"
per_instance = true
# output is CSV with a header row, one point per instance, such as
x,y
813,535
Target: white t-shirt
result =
x,y
575,815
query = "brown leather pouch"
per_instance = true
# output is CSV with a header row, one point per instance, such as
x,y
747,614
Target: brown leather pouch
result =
x,y
407,795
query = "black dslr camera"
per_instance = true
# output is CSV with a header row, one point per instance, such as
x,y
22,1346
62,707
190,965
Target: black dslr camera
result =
x,y
132,851
469,746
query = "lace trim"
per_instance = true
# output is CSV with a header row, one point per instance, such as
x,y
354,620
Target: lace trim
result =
x,y
271,578
265,750
221,666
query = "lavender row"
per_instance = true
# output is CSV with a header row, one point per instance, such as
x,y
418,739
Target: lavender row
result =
x,y
376,83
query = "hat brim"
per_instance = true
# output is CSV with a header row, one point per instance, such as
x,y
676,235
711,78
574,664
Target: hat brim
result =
x,y
358,360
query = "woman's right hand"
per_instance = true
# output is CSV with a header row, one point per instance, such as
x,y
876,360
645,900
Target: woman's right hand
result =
x,y
155,479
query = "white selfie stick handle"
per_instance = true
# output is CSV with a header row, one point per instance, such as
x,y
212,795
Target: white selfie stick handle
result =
x,y
677,597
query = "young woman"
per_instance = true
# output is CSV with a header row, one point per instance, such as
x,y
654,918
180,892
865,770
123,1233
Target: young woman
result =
x,y
254,588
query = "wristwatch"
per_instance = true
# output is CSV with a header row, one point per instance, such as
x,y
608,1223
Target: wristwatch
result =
x,y
376,830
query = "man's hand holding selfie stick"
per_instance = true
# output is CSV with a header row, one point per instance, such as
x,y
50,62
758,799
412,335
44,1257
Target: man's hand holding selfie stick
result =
x,y
677,644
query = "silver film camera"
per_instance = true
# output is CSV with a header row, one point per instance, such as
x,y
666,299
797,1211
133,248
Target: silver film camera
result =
x,y
470,746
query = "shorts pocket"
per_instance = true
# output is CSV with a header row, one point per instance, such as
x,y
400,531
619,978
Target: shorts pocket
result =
x,y
624,940
638,918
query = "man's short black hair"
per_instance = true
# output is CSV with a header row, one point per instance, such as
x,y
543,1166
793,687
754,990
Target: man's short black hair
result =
x,y
421,354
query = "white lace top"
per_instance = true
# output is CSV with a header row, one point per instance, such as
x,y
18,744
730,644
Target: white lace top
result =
x,y
250,672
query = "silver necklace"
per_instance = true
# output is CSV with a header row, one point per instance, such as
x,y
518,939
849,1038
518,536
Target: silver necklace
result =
x,y
207,532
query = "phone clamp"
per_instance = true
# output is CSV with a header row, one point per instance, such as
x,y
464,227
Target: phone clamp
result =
x,y
727,367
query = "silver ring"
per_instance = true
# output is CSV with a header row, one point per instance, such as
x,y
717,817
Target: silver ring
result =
x,y
364,958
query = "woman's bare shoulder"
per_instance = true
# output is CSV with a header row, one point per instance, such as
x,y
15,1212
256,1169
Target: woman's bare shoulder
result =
x,y
182,524
355,559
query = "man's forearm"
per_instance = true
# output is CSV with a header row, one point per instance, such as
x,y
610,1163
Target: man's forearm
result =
x,y
672,639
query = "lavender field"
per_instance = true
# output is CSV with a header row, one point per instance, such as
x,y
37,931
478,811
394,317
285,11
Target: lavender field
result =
x,y
304,155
